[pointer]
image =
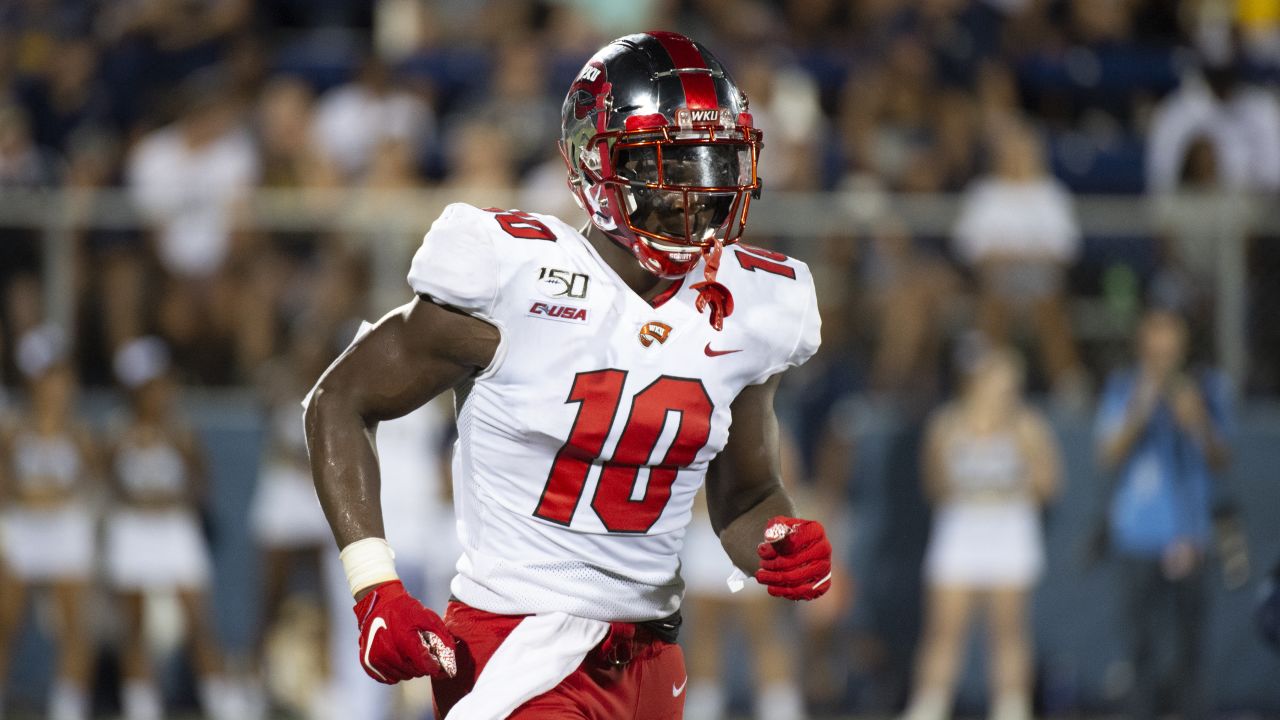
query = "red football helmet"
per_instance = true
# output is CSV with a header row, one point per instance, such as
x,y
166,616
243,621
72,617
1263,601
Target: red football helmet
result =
x,y
662,153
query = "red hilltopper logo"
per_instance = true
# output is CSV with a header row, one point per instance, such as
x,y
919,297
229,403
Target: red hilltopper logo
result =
x,y
563,313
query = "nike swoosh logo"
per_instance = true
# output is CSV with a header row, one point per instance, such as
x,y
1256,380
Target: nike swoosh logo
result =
x,y
718,353
378,624
675,691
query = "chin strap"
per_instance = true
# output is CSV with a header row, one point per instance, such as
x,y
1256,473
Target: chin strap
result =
x,y
711,293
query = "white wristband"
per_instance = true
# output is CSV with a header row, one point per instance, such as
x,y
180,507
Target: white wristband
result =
x,y
368,562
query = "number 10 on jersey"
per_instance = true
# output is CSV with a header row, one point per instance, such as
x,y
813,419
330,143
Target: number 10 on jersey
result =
x,y
598,395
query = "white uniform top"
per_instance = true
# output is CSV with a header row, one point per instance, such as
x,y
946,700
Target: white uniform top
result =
x,y
46,462
156,468
986,467
582,445
987,532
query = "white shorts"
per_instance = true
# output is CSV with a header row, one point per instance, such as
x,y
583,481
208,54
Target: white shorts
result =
x,y
704,565
286,512
985,545
48,545
156,550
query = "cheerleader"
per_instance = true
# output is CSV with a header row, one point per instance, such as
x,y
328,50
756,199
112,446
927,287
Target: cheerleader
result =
x,y
990,464
46,525
154,539
287,522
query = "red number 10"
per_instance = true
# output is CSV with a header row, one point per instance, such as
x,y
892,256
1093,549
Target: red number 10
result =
x,y
522,225
598,395
753,258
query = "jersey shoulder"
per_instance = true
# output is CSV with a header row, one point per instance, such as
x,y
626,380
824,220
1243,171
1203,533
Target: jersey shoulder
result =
x,y
774,303
469,254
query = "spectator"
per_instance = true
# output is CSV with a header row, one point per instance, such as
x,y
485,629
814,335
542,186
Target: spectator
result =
x,y
887,112
1241,121
1162,434
154,541
909,291
1259,22
292,160
287,522
1018,232
110,269
352,120
1192,224
67,96
291,154
23,166
152,45
188,180
520,105
949,161
482,168
48,462
990,464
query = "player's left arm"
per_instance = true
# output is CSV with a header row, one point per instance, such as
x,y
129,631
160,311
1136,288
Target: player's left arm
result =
x,y
752,513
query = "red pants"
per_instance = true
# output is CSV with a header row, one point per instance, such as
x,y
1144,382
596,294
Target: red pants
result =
x,y
649,687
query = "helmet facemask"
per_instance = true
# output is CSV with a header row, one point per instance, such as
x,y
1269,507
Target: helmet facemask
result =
x,y
675,193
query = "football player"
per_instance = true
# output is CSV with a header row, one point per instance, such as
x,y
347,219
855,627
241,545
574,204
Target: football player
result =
x,y
597,373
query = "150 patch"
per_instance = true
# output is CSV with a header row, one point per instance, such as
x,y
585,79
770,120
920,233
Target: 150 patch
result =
x,y
562,283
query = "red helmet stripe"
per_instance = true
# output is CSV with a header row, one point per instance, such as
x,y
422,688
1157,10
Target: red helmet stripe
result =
x,y
699,90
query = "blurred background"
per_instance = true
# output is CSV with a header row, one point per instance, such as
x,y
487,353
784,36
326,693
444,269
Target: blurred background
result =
x,y
1044,237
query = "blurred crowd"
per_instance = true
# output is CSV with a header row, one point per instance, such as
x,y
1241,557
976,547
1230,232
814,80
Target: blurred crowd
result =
x,y
191,107
194,109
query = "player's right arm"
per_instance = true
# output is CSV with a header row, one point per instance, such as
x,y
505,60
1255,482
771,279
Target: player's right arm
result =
x,y
413,354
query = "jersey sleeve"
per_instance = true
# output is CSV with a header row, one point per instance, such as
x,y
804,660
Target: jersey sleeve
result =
x,y
810,335
793,306
457,264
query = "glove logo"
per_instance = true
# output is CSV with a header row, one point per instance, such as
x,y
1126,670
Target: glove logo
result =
x,y
442,654
377,624
675,691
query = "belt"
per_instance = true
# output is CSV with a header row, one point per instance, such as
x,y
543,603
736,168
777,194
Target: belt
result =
x,y
630,641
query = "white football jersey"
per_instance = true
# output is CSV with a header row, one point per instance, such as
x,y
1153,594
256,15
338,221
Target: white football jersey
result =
x,y
583,443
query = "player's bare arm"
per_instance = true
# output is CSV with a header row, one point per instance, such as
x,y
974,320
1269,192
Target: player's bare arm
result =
x,y
747,503
744,483
412,355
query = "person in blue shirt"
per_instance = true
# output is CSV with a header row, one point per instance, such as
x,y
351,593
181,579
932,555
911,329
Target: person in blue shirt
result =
x,y
1162,433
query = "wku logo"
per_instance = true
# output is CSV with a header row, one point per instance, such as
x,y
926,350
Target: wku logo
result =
x,y
652,331
586,88
563,313
686,116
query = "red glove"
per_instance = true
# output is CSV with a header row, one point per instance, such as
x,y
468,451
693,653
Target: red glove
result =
x,y
401,639
795,559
